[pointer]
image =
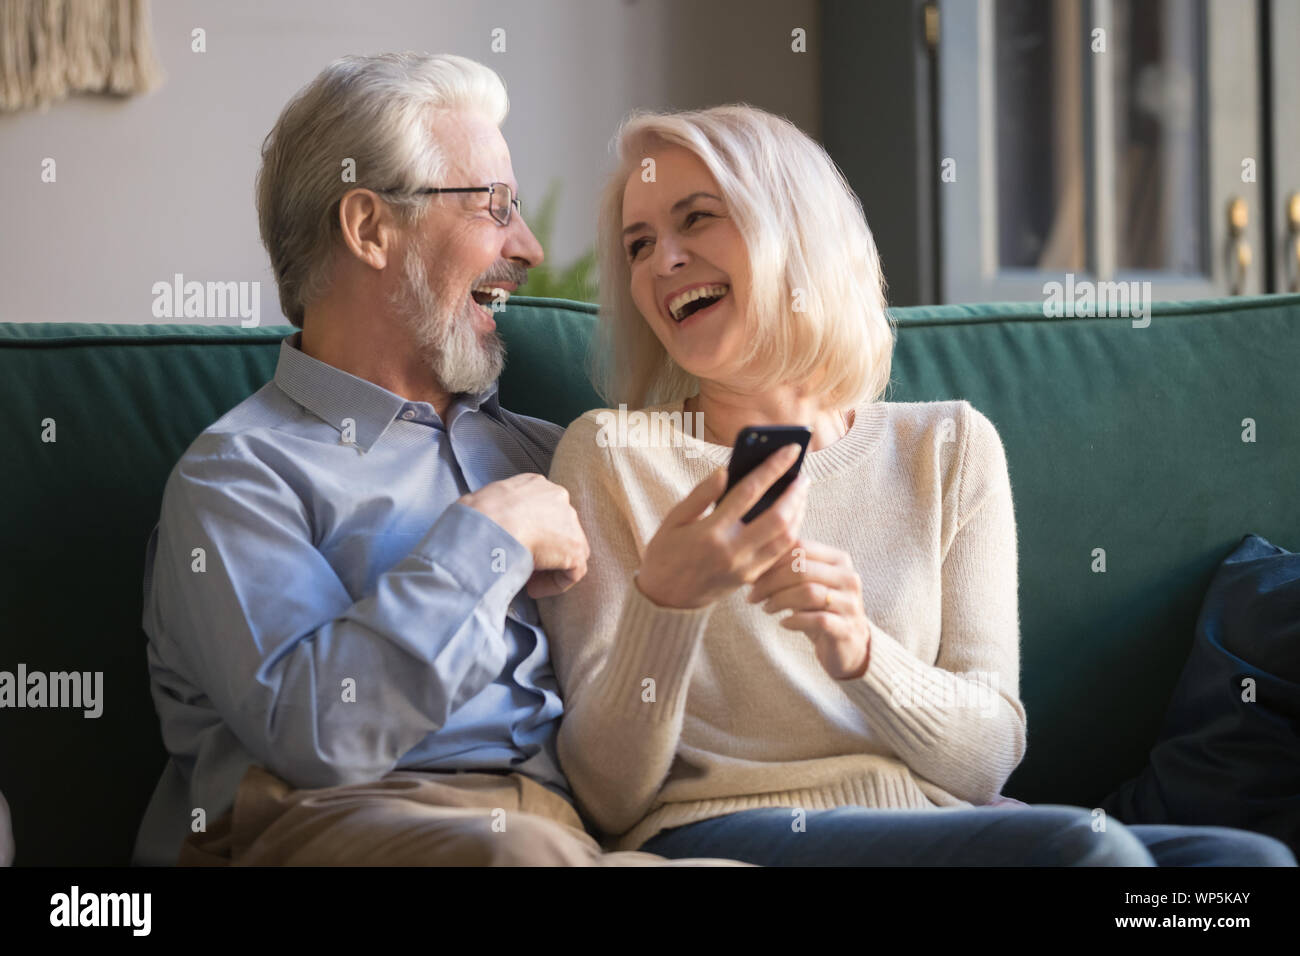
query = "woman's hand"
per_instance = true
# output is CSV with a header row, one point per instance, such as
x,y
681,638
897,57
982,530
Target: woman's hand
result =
x,y
819,584
693,560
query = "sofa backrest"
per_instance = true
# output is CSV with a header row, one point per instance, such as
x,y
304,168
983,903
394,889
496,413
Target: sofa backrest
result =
x,y
1118,438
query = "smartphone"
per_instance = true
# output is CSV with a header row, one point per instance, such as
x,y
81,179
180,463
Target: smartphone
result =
x,y
753,445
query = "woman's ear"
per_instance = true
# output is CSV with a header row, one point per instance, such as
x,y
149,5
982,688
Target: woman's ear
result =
x,y
367,227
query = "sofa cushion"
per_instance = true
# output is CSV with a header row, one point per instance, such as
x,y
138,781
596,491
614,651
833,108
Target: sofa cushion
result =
x,y
1117,438
1229,751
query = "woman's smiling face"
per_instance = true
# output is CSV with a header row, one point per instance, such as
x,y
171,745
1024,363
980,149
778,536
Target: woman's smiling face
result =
x,y
689,266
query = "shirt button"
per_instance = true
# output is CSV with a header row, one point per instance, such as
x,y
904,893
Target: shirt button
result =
x,y
408,414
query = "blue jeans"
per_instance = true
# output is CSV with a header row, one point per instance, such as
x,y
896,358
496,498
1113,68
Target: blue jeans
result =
x,y
1039,835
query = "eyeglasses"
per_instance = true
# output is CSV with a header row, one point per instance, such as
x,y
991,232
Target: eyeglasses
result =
x,y
501,200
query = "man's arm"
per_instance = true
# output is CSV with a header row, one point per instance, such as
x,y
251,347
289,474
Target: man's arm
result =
x,y
274,639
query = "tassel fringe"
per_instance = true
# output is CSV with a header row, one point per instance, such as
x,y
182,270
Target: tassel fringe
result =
x,y
52,48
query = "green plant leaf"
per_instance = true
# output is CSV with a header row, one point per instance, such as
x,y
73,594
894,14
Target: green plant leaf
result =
x,y
577,280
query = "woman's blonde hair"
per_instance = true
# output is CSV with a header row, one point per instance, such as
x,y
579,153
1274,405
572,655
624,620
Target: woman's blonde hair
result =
x,y
817,296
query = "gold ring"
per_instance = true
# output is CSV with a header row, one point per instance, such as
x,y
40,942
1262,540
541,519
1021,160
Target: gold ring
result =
x,y
828,598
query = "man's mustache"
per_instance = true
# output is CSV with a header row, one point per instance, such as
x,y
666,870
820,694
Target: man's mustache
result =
x,y
505,272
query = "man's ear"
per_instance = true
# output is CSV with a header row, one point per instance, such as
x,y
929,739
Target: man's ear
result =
x,y
369,231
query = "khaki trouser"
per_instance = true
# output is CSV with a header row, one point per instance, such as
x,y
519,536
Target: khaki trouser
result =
x,y
407,818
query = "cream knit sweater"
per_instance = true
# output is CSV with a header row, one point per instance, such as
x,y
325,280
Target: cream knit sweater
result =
x,y
673,716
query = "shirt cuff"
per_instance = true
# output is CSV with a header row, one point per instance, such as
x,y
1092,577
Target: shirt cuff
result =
x,y
480,555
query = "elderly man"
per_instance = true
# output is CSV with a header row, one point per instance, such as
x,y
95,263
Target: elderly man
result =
x,y
344,651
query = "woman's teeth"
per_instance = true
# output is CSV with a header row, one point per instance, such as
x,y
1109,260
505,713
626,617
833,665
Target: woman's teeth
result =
x,y
678,306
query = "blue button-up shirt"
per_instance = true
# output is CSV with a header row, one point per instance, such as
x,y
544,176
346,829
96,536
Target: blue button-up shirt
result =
x,y
317,602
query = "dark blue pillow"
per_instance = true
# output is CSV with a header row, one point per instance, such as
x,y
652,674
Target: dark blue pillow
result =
x,y
1220,759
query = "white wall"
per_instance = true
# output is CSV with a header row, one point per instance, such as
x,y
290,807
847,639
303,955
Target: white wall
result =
x,y
162,183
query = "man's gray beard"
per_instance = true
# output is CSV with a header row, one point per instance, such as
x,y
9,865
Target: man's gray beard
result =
x,y
461,359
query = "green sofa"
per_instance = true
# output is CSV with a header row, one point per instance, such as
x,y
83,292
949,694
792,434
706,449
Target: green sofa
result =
x,y
1121,438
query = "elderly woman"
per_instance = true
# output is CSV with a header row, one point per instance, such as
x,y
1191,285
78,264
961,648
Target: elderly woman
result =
x,y
834,682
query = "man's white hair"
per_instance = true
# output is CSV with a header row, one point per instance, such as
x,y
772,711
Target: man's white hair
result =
x,y
374,111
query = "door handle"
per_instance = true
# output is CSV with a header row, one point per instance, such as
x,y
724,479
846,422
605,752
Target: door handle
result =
x,y
1239,255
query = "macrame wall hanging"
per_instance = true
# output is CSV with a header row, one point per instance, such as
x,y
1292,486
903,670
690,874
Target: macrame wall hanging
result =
x,y
50,48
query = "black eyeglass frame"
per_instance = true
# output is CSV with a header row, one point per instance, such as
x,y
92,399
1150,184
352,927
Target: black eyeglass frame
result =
x,y
513,203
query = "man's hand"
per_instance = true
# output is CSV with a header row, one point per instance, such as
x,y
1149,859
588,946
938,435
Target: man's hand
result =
x,y
537,514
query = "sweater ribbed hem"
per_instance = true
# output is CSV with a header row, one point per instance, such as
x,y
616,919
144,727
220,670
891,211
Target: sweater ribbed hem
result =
x,y
882,786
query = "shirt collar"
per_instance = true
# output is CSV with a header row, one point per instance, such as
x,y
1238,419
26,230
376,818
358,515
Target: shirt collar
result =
x,y
334,396
486,400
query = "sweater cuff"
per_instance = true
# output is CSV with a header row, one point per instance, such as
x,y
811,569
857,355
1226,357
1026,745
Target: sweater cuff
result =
x,y
655,643
900,688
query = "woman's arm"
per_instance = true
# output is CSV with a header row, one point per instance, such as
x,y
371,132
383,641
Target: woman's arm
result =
x,y
623,663
960,723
